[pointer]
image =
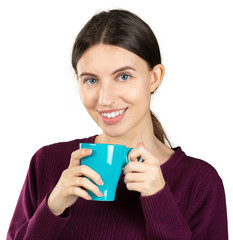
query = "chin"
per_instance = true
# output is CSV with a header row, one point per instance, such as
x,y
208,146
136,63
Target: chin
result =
x,y
115,132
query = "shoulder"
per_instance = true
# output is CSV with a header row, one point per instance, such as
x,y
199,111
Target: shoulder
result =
x,y
190,171
200,173
181,163
200,168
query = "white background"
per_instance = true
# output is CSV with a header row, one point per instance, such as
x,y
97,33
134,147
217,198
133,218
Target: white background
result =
x,y
39,96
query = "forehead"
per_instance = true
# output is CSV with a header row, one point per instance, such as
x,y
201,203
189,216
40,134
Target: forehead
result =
x,y
107,58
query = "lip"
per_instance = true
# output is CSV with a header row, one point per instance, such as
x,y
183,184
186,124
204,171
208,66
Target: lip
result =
x,y
112,110
115,119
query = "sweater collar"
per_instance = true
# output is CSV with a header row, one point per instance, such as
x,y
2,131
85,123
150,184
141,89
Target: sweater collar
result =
x,y
177,156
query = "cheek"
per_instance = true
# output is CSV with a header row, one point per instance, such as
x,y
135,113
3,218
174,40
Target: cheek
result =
x,y
138,93
88,99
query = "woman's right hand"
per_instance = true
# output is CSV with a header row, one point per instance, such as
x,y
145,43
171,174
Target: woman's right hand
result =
x,y
71,183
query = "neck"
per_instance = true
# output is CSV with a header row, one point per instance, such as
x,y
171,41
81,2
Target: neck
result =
x,y
145,135
130,140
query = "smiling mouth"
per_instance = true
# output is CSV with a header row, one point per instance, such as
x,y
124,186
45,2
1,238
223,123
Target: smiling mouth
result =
x,y
113,114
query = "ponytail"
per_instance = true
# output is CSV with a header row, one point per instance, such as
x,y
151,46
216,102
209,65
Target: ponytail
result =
x,y
158,129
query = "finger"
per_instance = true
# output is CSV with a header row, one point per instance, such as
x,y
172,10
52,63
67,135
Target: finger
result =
x,y
87,184
134,177
141,187
77,155
134,157
86,171
141,151
134,186
79,193
135,167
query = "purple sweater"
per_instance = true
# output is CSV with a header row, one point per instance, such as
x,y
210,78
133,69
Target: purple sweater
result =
x,y
191,206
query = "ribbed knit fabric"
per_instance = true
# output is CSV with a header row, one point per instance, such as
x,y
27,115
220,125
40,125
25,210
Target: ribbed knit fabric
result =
x,y
191,206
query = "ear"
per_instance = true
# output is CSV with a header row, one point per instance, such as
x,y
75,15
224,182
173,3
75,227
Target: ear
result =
x,y
157,74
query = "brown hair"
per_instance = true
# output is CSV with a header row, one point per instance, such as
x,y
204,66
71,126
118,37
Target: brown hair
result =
x,y
123,29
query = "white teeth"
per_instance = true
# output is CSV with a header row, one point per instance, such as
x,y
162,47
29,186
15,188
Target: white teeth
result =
x,y
112,114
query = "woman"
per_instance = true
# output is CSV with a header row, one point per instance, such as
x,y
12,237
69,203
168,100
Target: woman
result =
x,y
167,196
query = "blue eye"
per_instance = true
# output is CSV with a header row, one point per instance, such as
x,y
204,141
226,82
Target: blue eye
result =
x,y
124,77
90,81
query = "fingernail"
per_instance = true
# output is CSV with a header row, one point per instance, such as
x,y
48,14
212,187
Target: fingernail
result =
x,y
89,197
100,194
88,151
100,182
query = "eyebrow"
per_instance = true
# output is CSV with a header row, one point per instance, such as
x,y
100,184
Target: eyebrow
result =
x,y
116,71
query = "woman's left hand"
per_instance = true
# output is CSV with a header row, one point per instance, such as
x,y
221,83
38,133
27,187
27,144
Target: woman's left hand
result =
x,y
145,177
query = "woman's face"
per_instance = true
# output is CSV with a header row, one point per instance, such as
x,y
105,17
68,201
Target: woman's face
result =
x,y
115,87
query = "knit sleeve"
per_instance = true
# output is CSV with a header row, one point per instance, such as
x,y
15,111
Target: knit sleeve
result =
x,y
33,219
163,217
208,217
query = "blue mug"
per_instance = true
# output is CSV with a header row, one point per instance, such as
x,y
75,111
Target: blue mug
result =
x,y
107,160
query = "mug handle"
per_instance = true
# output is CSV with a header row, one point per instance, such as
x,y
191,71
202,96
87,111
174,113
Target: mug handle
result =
x,y
127,160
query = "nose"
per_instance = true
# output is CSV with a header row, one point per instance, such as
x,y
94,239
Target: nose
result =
x,y
107,95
